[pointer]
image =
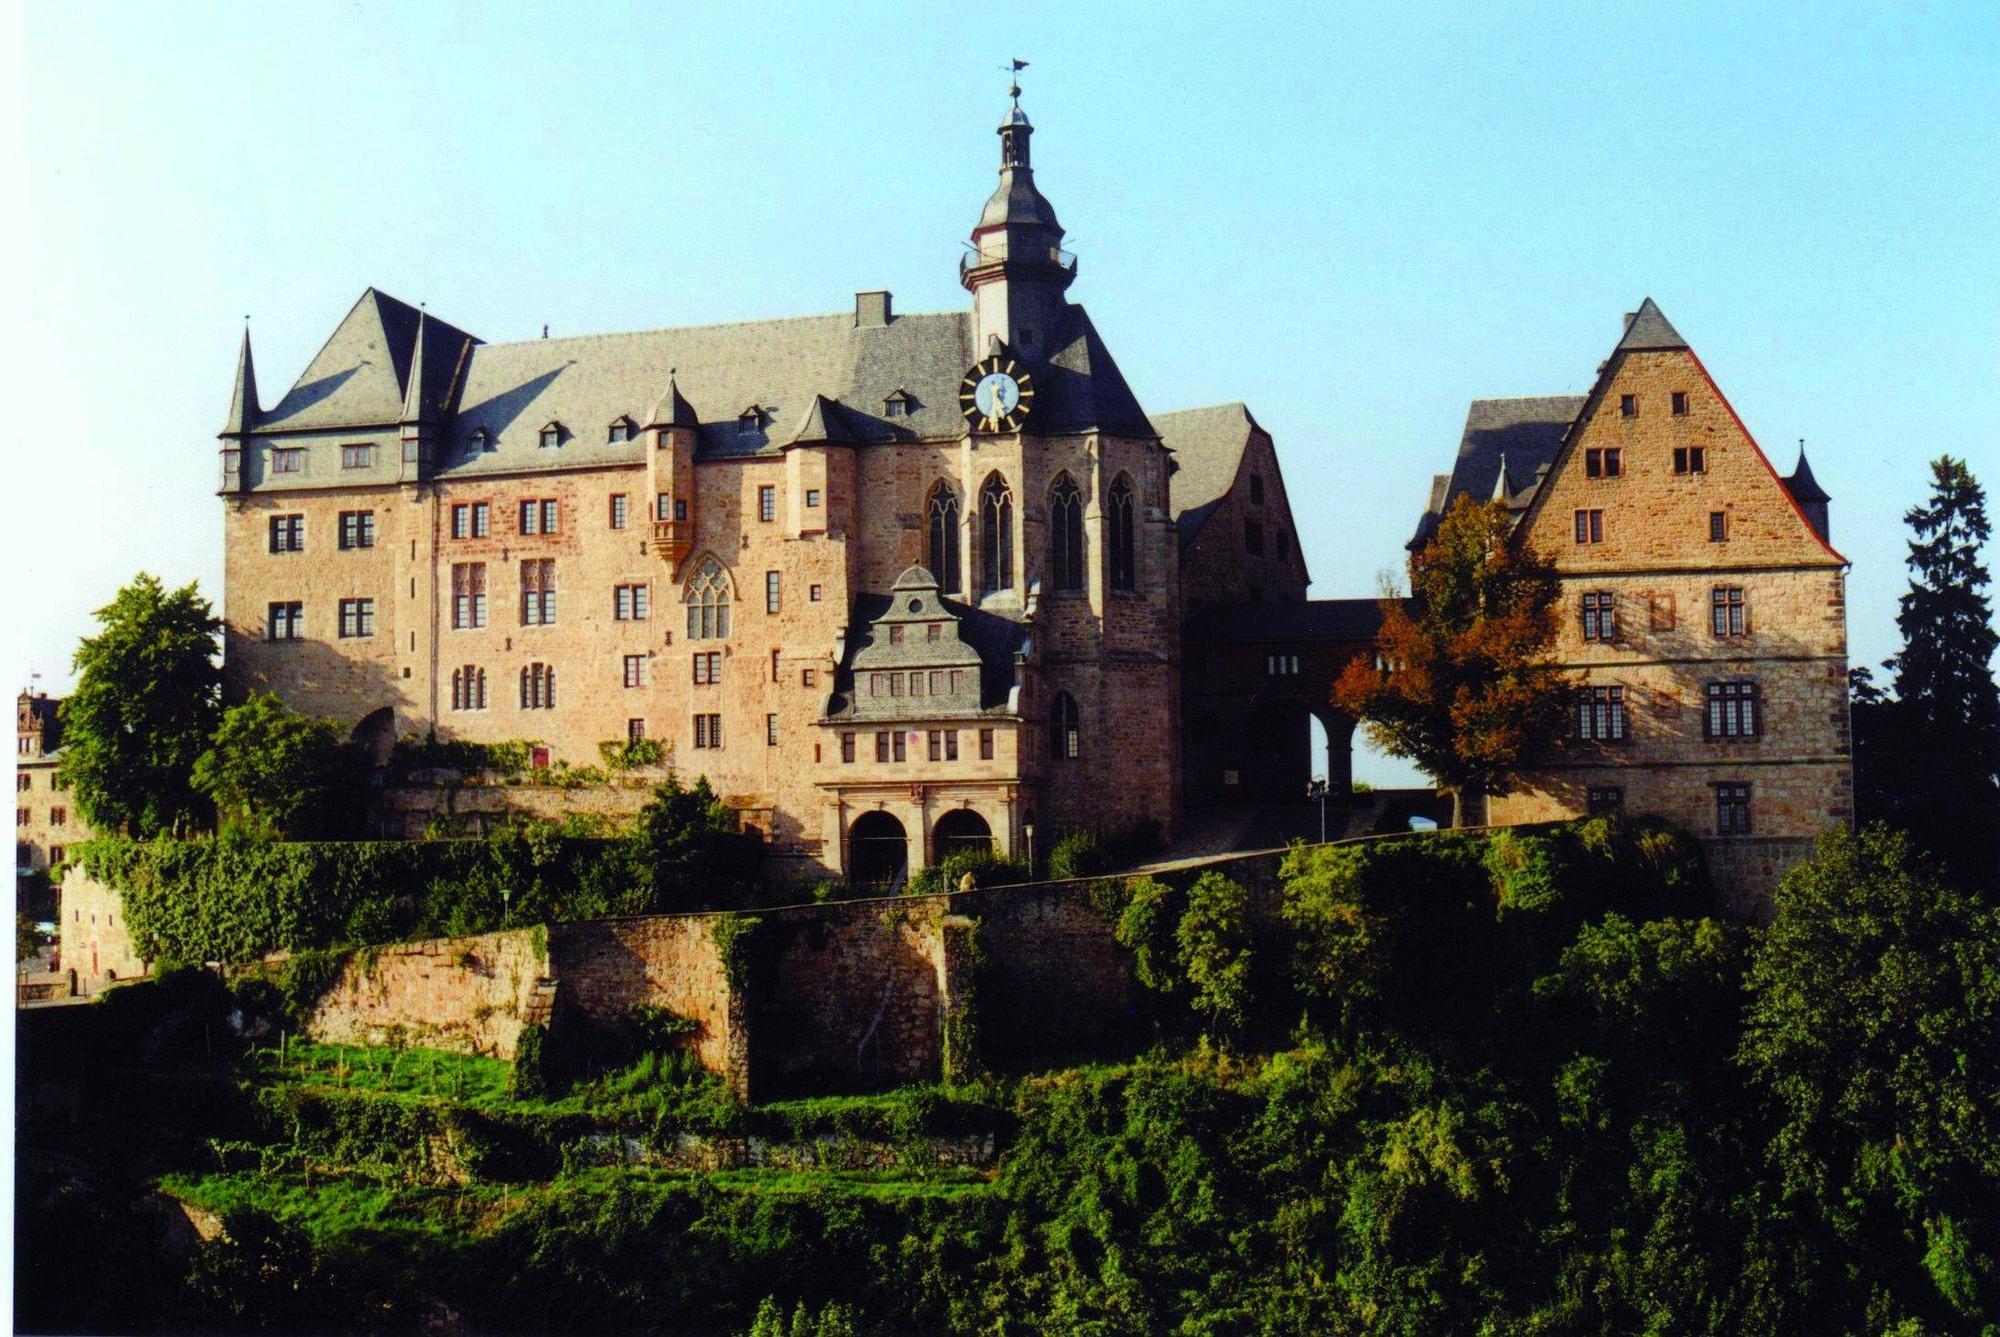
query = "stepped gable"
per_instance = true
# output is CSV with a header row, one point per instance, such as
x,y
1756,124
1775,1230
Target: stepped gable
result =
x,y
1518,436
1207,446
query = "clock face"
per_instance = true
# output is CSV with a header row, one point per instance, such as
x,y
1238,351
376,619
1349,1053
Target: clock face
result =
x,y
997,395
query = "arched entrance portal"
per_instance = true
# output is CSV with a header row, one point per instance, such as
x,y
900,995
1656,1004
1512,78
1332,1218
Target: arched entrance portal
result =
x,y
1282,752
376,733
878,851
959,831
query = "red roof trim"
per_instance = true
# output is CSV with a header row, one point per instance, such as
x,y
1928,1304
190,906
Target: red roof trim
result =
x,y
1765,460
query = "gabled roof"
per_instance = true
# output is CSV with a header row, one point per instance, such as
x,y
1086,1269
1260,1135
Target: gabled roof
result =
x,y
1524,433
1207,445
1081,388
671,409
828,420
1649,331
243,410
360,377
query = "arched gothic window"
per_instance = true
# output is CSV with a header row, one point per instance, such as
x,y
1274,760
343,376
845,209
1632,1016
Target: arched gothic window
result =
x,y
996,536
944,537
1065,535
1065,738
1118,530
708,602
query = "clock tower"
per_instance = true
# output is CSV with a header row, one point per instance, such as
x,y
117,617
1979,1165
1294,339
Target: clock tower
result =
x,y
1017,270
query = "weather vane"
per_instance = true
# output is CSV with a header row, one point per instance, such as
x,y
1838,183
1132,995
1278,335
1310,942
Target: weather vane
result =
x,y
1014,67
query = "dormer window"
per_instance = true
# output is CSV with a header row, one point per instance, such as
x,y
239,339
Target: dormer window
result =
x,y
750,421
552,435
622,429
899,404
482,440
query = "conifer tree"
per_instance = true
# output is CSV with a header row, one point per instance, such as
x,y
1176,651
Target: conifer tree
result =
x,y
1944,676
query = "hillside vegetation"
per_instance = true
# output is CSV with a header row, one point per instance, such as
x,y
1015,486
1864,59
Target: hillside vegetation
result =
x,y
1523,1083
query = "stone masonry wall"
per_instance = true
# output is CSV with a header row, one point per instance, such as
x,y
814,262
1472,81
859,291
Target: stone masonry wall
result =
x,y
472,995
604,968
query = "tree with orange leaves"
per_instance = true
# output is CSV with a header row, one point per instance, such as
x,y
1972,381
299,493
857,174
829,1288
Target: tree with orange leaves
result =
x,y
1463,685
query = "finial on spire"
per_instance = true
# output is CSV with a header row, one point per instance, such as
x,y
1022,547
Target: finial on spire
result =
x,y
1014,68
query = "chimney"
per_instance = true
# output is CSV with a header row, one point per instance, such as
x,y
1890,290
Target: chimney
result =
x,y
1625,325
871,310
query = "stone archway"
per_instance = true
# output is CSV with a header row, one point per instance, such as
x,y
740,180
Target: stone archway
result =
x,y
958,831
1279,757
878,850
376,733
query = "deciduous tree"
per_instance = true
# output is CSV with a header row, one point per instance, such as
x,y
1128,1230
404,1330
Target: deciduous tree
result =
x,y
1465,688
281,773
146,701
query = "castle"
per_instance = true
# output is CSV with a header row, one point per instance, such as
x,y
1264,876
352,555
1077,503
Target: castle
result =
x,y
901,583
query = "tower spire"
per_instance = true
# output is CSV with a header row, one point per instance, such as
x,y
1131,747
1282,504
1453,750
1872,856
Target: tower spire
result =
x,y
414,392
243,407
1017,270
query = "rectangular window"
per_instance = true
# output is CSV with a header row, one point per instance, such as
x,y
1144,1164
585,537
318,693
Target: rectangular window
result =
x,y
288,460
538,687
897,739
1690,459
1727,615
916,684
770,591
933,632
1281,665
847,749
680,508
631,603
986,745
357,457
1734,711
1607,462
1680,403
461,521
468,595
1590,526
635,670
288,533
957,681
1256,489
58,816
770,731
538,592
1600,617
813,594
357,529
285,621
1732,810
357,617
808,678
1628,406
549,516
951,745
531,517
1600,715
708,668
1253,538
1603,800
767,503
812,498
1718,526
619,504
635,731
935,738
663,507
881,745
708,731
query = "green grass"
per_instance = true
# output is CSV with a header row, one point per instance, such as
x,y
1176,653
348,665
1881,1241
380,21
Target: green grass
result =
x,y
352,1205
480,1082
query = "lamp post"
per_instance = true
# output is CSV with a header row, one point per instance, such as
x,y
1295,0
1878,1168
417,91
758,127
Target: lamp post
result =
x,y
1316,789
1028,833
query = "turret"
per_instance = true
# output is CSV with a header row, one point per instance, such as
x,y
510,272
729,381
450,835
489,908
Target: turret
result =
x,y
1017,271
420,420
1810,496
243,415
670,435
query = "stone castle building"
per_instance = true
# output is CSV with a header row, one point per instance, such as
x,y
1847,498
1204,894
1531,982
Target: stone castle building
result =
x,y
1704,606
898,583
891,582
46,822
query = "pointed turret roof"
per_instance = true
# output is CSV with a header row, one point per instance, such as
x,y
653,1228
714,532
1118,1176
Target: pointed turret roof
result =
x,y
414,402
828,420
1016,201
243,409
1649,331
671,409
1802,485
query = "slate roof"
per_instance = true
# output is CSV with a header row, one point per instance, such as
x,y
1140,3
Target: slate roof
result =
x,y
1802,485
1526,432
1314,621
993,641
1207,445
361,377
243,409
1649,332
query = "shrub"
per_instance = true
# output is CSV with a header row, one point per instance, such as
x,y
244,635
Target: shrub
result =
x,y
1078,854
1214,950
531,1064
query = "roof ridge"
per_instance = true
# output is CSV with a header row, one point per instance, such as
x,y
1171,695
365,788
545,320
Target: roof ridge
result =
x,y
715,325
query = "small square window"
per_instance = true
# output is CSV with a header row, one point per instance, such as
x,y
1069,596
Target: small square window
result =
x,y
813,594
1628,406
1680,403
1607,462
812,498
357,457
808,677
1605,800
288,460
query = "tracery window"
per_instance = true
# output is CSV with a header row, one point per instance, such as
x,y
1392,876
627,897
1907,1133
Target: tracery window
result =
x,y
1065,738
708,603
1119,536
1065,535
996,536
943,513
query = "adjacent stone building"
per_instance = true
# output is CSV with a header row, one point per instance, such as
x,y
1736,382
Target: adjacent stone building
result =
x,y
1703,607
46,822
892,582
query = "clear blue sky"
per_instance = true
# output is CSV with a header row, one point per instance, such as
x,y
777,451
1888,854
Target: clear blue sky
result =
x,y
1354,220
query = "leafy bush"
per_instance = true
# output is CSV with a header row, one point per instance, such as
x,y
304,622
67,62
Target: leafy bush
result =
x,y
531,1064
1214,950
624,754
1078,854
986,868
